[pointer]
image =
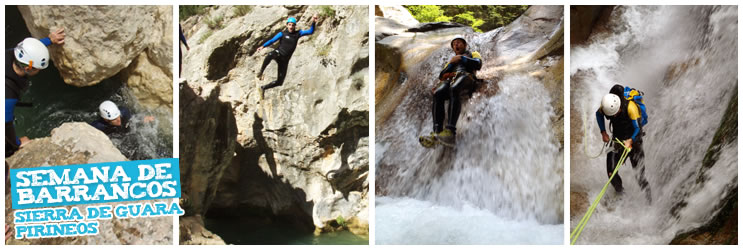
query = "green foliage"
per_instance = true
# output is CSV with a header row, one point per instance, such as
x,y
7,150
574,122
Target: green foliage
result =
x,y
205,36
427,13
479,17
241,10
341,221
327,11
215,22
468,19
186,11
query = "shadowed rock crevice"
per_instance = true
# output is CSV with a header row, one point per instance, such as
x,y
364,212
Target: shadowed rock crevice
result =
x,y
225,57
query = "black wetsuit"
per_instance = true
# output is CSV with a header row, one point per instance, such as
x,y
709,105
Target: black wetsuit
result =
x,y
287,44
14,86
623,129
180,54
109,129
451,89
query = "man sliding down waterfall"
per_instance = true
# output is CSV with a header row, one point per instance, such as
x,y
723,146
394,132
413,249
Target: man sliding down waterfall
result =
x,y
288,40
457,75
627,116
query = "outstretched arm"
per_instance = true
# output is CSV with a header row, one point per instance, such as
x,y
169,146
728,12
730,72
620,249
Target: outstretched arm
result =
x,y
309,31
273,40
56,37
312,28
182,37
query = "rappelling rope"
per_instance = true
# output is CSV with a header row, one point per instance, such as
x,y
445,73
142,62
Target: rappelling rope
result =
x,y
576,232
585,145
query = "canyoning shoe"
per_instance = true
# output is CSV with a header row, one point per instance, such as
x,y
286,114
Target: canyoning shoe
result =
x,y
259,77
446,138
427,141
260,93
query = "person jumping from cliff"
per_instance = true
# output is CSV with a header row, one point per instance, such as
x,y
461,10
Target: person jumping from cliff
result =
x,y
288,40
627,119
27,59
457,75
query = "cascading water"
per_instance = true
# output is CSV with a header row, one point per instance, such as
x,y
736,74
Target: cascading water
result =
x,y
684,58
501,184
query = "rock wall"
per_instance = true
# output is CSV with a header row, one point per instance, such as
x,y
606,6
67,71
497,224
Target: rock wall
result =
x,y
103,41
301,152
79,143
585,20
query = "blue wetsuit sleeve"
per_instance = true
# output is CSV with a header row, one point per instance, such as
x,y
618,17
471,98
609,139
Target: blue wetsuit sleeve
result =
x,y
309,31
273,40
472,63
182,37
98,125
637,129
125,113
600,120
10,109
46,41
448,68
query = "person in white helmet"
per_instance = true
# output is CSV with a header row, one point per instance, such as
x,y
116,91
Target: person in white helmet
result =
x,y
457,76
114,119
27,59
625,118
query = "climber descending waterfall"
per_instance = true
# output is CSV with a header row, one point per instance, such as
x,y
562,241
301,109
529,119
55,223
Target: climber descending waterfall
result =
x,y
626,120
502,184
457,76
685,61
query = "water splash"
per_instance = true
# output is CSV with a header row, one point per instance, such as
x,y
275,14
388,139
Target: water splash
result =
x,y
685,60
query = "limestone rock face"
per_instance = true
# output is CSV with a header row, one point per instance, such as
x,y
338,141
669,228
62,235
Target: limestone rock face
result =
x,y
192,232
79,143
306,143
207,145
101,41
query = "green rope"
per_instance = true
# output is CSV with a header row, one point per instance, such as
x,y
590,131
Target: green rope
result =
x,y
576,232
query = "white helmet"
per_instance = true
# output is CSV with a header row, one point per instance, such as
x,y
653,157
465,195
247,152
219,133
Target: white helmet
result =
x,y
108,110
32,52
610,104
457,37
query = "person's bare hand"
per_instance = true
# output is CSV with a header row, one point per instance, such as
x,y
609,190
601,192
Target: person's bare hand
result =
x,y
259,49
447,76
8,232
314,18
24,140
628,143
57,36
604,136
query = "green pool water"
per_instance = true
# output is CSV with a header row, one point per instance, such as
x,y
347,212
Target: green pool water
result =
x,y
234,231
